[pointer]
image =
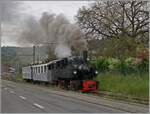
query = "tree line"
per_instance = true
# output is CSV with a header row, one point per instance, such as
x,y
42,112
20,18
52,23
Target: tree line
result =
x,y
122,26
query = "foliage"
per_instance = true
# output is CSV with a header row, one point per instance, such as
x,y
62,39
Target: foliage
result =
x,y
101,64
113,63
142,53
118,48
125,66
114,19
115,28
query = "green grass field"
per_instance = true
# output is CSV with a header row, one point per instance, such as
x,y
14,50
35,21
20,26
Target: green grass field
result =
x,y
132,85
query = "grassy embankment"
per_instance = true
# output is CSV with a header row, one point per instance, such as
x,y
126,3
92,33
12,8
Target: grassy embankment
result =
x,y
132,85
15,77
19,77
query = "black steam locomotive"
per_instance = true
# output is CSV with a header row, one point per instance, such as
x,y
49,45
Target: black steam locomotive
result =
x,y
74,73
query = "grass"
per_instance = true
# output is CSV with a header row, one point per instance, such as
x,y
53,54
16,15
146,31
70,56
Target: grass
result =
x,y
132,85
19,77
13,77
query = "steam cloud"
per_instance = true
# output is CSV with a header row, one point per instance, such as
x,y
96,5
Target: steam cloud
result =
x,y
55,29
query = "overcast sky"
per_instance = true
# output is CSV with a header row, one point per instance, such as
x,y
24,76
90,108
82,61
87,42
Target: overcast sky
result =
x,y
36,8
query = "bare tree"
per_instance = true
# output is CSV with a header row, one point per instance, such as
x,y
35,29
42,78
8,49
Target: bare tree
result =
x,y
115,19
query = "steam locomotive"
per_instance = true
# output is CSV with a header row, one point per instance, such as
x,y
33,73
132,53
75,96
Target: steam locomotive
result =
x,y
74,73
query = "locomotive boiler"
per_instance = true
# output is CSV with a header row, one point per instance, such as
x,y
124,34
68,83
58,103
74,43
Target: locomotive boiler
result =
x,y
74,73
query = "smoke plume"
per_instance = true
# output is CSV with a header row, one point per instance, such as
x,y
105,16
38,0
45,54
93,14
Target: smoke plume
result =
x,y
56,30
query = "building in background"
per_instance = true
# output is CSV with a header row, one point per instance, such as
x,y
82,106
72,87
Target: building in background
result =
x,y
7,71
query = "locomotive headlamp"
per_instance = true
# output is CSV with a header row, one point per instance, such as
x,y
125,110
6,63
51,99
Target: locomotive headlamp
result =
x,y
87,59
96,72
74,72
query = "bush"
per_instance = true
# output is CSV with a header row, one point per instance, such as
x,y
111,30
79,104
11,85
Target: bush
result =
x,y
128,66
124,66
143,66
102,64
113,63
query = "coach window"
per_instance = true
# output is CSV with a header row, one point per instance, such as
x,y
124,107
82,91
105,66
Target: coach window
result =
x,y
58,64
49,67
33,70
52,66
41,69
62,64
38,69
44,68
65,61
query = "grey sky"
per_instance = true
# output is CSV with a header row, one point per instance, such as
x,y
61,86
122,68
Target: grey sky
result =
x,y
69,8
10,31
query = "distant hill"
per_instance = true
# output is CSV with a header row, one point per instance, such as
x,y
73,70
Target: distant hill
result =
x,y
21,56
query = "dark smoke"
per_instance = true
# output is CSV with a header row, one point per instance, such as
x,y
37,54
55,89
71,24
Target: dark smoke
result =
x,y
32,32
55,29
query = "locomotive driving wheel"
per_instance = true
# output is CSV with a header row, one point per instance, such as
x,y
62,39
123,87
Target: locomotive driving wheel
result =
x,y
63,84
60,84
66,84
75,85
72,85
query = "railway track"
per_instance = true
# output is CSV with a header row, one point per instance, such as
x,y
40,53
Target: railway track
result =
x,y
120,97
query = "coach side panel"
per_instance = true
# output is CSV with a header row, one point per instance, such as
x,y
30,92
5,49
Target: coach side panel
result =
x,y
26,71
40,73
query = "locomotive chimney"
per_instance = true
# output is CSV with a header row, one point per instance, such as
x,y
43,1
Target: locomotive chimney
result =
x,y
85,54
